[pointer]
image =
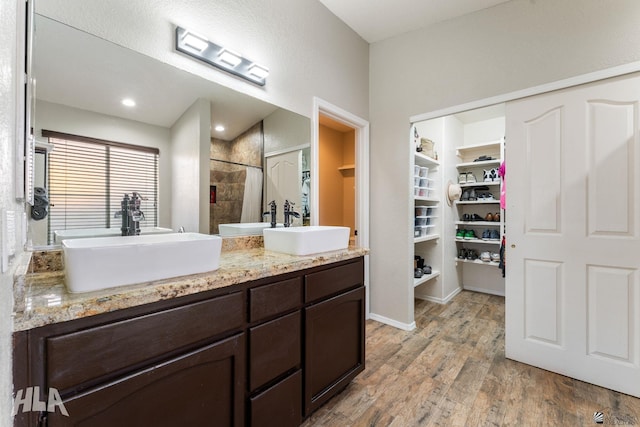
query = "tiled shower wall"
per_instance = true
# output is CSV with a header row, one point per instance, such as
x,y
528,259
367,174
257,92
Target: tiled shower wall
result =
x,y
229,179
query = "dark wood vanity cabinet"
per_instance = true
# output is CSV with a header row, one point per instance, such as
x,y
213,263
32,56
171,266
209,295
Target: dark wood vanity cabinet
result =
x,y
263,353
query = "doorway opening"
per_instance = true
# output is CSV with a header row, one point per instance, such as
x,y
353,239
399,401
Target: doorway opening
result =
x,y
351,176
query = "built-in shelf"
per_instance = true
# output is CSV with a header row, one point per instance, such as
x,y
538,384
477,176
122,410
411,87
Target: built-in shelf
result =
x,y
426,238
478,261
480,184
488,242
426,278
346,167
423,160
479,223
478,202
478,164
481,146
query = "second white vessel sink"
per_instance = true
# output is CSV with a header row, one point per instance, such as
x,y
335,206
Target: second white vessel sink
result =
x,y
104,262
306,240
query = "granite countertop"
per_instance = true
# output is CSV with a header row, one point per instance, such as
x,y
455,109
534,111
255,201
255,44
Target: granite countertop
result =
x,y
41,297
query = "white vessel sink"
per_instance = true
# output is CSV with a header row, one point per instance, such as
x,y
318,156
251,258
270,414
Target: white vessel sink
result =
x,y
306,240
83,233
105,262
244,228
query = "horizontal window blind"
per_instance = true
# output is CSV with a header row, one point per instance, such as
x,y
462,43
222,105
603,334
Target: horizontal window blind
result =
x,y
88,178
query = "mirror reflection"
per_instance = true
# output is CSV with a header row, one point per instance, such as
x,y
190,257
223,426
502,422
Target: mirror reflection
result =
x,y
220,156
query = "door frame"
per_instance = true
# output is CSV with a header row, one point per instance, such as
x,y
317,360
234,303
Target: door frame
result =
x,y
361,127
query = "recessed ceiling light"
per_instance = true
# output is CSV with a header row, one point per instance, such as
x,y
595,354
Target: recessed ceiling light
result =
x,y
219,128
128,102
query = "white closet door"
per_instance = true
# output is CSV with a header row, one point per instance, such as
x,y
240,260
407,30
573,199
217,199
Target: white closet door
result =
x,y
573,233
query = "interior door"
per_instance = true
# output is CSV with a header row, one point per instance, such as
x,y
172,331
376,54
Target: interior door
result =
x,y
284,181
573,241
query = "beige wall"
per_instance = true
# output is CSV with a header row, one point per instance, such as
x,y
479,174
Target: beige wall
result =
x,y
336,187
512,46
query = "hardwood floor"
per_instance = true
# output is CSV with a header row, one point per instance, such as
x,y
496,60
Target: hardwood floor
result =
x,y
451,371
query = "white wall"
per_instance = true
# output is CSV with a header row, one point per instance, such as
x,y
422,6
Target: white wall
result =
x,y
190,140
512,46
308,50
61,118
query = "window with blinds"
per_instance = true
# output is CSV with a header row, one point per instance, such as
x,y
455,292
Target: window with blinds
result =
x,y
89,177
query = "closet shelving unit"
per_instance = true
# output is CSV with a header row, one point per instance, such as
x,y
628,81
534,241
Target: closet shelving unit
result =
x,y
466,156
431,201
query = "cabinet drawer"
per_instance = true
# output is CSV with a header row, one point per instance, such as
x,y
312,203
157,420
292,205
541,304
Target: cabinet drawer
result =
x,y
274,348
111,350
334,280
270,300
279,405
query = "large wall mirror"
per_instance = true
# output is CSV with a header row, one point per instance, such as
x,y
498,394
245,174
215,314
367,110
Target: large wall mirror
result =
x,y
205,176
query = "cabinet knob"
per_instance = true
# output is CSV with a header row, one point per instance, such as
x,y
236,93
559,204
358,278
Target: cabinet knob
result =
x,y
513,246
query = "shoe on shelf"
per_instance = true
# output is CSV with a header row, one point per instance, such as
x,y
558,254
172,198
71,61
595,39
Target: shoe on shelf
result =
x,y
495,175
466,217
495,235
465,196
485,256
471,178
460,234
462,178
496,216
472,255
483,159
427,269
462,253
489,175
488,217
476,217
489,197
472,195
470,235
495,257
486,234
417,273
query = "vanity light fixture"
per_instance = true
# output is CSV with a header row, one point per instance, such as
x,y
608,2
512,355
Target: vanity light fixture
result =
x,y
204,50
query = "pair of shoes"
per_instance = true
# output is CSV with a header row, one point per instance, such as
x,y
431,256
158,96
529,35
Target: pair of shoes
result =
x,y
486,196
483,159
492,217
470,235
490,175
466,178
490,234
471,217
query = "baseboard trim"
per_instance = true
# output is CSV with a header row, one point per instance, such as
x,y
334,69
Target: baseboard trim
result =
x,y
484,291
439,300
382,319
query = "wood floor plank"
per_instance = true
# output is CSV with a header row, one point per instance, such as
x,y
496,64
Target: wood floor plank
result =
x,y
452,371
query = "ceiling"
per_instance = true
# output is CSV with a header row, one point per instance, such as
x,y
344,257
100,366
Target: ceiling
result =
x,y
376,20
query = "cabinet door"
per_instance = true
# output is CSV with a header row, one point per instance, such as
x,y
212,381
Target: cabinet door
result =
x,y
334,346
203,388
